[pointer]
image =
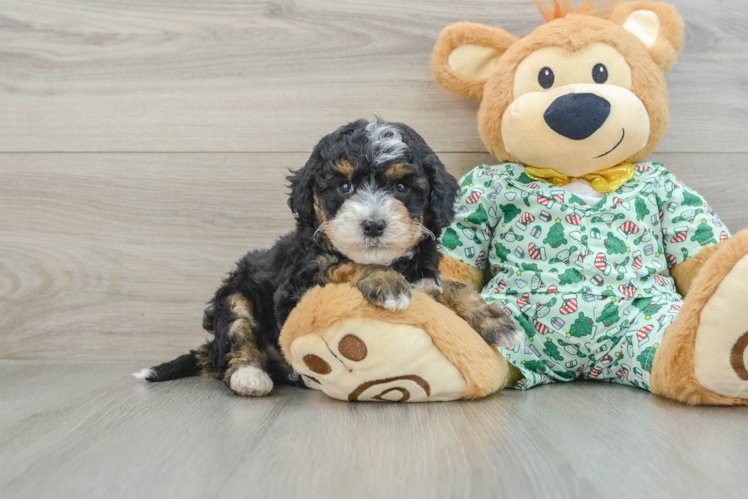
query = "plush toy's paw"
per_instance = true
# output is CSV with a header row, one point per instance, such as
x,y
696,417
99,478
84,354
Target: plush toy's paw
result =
x,y
496,326
721,347
250,381
359,360
703,357
384,287
351,350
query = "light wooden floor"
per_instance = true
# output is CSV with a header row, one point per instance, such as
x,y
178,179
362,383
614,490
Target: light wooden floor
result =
x,y
143,148
85,429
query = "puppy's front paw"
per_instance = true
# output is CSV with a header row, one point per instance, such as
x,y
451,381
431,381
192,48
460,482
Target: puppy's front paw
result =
x,y
489,320
386,288
497,328
398,302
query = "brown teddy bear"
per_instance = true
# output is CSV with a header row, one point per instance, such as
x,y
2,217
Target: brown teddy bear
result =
x,y
614,268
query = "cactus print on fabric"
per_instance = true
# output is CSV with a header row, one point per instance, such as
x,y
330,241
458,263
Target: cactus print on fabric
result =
x,y
589,284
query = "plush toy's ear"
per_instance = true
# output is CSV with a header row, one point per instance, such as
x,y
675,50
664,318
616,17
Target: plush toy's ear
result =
x,y
657,24
465,55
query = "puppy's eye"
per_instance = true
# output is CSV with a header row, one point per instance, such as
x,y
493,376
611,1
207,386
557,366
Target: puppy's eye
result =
x,y
600,73
401,188
346,188
546,78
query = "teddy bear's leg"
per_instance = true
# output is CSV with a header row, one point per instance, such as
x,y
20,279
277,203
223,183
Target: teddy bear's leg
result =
x,y
703,357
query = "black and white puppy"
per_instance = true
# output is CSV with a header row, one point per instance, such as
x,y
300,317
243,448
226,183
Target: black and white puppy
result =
x,y
369,205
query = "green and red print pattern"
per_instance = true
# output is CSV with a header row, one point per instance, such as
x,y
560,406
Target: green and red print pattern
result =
x,y
589,284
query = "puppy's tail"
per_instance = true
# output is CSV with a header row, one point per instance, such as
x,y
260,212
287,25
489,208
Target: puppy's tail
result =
x,y
184,366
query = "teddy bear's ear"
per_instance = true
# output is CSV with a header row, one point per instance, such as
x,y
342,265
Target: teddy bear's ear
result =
x,y
465,55
657,24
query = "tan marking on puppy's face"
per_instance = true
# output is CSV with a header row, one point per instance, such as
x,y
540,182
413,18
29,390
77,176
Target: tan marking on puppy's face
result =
x,y
398,171
345,168
401,232
411,225
418,231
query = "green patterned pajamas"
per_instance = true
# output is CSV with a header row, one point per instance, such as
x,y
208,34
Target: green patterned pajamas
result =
x,y
589,284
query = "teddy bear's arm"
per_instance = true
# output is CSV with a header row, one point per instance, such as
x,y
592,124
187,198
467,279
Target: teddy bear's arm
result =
x,y
692,231
686,272
465,243
454,270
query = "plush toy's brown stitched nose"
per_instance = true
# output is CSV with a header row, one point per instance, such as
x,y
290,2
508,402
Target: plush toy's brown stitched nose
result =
x,y
577,116
373,228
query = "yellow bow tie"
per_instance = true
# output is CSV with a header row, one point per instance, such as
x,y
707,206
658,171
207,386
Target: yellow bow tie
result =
x,y
603,181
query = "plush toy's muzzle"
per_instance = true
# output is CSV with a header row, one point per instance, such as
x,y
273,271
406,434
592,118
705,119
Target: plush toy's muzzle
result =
x,y
577,128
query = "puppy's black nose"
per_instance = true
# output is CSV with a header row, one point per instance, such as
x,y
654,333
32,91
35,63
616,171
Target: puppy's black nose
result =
x,y
373,228
577,116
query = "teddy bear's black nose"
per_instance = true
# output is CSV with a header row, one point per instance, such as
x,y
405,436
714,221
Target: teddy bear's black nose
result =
x,y
577,116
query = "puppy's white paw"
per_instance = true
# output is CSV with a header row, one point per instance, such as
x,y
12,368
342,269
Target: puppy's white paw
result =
x,y
398,302
511,339
385,287
251,381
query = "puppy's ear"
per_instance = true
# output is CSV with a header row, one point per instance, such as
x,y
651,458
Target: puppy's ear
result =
x,y
444,191
301,201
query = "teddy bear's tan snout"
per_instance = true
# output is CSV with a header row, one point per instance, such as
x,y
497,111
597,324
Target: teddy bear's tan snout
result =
x,y
576,129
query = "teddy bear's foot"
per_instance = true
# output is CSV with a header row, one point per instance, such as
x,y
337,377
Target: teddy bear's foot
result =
x,y
352,350
722,337
370,360
703,358
361,360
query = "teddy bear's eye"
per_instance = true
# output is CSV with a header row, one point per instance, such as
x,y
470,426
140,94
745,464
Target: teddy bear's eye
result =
x,y
546,78
600,73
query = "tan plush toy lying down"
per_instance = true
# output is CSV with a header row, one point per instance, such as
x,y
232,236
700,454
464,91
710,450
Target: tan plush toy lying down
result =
x,y
355,351
577,231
